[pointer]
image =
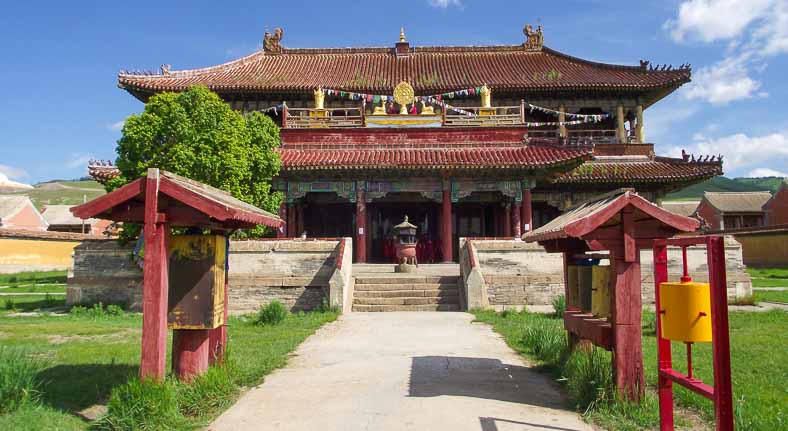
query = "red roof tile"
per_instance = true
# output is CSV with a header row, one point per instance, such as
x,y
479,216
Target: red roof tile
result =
x,y
429,70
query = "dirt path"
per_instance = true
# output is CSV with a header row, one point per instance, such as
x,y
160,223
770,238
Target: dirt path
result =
x,y
403,371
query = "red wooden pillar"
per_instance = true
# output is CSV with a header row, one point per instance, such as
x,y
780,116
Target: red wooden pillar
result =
x,y
626,310
155,285
446,239
281,231
190,352
361,227
721,347
507,220
526,219
664,354
516,219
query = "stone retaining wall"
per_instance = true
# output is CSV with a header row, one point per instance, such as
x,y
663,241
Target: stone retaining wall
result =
x,y
515,273
302,274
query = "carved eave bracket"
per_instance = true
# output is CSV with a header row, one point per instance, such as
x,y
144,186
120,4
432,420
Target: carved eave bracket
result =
x,y
272,43
534,40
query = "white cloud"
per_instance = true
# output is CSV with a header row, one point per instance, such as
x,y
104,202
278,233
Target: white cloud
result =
x,y
741,151
766,172
722,83
78,160
12,172
117,126
443,4
713,20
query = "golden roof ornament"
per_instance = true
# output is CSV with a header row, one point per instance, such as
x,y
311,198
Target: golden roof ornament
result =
x,y
486,94
534,40
403,95
320,97
402,34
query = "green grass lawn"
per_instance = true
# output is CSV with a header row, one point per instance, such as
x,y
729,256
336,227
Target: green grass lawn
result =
x,y
759,356
89,356
41,277
769,277
771,295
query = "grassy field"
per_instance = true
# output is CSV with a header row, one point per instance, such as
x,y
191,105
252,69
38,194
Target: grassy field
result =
x,y
771,295
90,355
769,277
759,360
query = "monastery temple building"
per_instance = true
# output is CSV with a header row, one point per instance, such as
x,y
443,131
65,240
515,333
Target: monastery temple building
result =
x,y
467,141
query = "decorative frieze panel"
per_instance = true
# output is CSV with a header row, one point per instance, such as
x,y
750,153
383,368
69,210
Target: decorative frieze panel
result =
x,y
465,187
428,187
299,189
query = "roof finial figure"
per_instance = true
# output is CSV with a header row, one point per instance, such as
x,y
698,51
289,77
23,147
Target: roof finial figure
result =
x,y
271,43
402,34
533,39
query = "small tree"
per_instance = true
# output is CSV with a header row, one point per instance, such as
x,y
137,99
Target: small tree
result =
x,y
197,135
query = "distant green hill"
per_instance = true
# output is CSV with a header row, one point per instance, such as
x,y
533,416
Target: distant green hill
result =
x,y
723,184
63,192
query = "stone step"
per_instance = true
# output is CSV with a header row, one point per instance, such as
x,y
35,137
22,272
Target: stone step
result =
x,y
419,286
400,279
430,307
405,301
437,293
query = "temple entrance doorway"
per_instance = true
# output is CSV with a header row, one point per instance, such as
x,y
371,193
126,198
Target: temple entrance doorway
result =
x,y
328,216
389,211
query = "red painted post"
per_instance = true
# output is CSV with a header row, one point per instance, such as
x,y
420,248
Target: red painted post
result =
x,y
516,219
626,309
291,222
526,217
361,227
446,238
190,352
155,285
723,391
664,354
281,231
507,220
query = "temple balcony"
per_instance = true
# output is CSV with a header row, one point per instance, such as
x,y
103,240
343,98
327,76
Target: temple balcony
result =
x,y
495,116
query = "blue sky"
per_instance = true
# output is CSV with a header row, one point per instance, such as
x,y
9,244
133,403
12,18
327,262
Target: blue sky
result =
x,y
61,105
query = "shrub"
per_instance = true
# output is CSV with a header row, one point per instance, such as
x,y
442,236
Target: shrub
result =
x,y
19,382
559,305
143,405
10,305
273,313
114,310
96,311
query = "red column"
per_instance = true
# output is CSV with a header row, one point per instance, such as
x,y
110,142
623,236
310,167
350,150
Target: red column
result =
x,y
516,219
361,226
190,351
281,231
526,219
721,349
664,354
154,292
446,239
507,220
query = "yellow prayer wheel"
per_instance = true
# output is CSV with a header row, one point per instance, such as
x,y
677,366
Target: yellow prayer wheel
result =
x,y
686,311
574,288
600,291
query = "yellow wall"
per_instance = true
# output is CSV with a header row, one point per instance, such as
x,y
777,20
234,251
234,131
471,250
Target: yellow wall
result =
x,y
50,253
764,250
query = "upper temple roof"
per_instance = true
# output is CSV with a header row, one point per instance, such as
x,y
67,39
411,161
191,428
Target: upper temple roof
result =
x,y
430,70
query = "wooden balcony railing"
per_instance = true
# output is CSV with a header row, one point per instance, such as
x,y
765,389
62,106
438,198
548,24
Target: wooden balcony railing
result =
x,y
301,118
495,116
582,136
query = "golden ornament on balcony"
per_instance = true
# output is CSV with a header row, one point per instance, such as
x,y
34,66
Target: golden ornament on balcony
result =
x,y
403,95
320,97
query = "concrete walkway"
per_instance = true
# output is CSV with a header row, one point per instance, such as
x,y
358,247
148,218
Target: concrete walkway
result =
x,y
403,371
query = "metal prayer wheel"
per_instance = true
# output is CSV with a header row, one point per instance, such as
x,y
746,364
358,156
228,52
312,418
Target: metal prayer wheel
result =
x,y
686,311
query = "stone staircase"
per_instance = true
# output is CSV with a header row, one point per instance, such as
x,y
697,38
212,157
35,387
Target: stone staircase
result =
x,y
431,288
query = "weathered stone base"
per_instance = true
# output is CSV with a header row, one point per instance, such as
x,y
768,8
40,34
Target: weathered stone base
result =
x,y
248,299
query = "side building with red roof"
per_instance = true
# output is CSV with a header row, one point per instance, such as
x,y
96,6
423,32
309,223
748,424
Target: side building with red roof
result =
x,y
467,141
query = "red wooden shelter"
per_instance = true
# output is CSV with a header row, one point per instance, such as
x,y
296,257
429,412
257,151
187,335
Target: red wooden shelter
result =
x,y
162,200
620,222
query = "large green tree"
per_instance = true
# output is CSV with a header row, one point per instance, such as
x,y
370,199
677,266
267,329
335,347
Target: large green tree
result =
x,y
197,135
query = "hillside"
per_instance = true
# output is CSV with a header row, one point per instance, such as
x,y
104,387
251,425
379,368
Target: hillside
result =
x,y
63,192
723,184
